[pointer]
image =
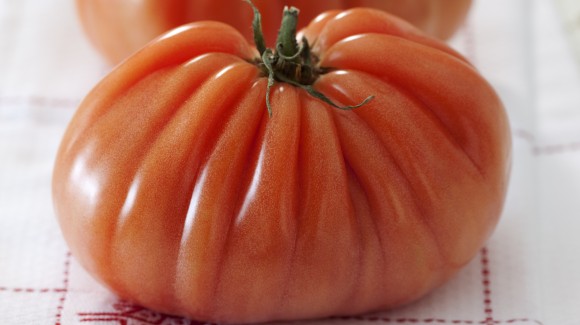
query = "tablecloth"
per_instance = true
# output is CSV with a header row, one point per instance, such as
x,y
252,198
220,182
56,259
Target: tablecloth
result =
x,y
528,272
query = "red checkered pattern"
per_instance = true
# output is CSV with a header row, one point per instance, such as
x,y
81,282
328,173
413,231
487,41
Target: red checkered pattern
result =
x,y
124,313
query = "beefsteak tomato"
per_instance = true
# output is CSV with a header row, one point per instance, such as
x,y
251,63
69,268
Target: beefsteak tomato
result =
x,y
119,28
175,188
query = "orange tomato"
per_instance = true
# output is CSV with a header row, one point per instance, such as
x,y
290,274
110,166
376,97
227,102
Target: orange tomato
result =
x,y
175,188
119,28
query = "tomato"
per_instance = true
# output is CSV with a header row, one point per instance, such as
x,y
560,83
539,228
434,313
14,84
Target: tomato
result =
x,y
177,189
119,28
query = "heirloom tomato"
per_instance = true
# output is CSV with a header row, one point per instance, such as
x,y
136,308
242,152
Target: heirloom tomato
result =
x,y
118,28
177,189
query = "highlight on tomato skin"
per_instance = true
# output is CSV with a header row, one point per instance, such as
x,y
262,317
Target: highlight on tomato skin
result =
x,y
119,28
176,188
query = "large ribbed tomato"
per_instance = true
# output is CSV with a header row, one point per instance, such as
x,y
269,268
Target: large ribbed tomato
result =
x,y
118,28
175,188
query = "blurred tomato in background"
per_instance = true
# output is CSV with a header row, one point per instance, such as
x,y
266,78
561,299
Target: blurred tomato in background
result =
x,y
119,28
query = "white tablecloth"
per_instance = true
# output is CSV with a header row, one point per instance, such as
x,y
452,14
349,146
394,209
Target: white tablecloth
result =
x,y
528,273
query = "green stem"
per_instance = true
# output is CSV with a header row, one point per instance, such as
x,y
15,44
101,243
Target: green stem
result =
x,y
290,62
257,28
286,41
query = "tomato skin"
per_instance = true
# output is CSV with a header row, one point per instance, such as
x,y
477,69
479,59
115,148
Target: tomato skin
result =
x,y
175,189
119,28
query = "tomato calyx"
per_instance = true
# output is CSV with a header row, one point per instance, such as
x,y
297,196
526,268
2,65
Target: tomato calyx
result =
x,y
290,62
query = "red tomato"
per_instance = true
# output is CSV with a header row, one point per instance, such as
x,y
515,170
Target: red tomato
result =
x,y
175,188
119,28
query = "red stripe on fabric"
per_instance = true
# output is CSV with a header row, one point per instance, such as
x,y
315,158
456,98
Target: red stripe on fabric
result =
x,y
65,282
